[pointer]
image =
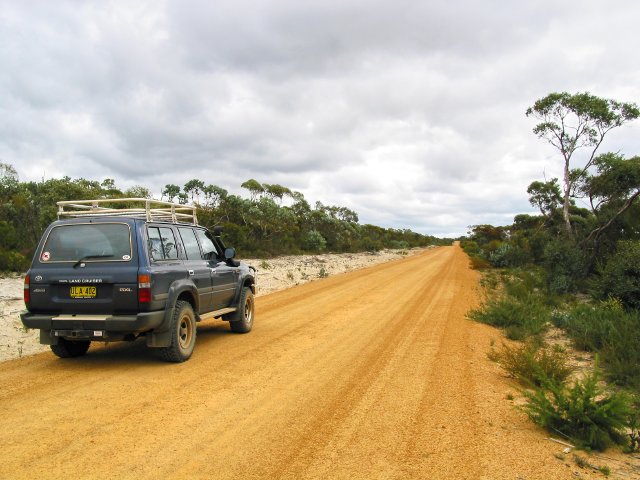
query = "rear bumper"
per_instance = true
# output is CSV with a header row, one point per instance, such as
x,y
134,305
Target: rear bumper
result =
x,y
141,322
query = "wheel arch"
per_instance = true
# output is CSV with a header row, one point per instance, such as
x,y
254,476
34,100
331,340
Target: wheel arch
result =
x,y
180,290
251,283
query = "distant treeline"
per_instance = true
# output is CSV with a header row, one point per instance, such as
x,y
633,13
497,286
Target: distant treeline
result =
x,y
273,220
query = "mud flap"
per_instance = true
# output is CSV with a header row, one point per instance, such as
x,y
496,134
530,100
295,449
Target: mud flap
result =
x,y
161,338
47,339
158,339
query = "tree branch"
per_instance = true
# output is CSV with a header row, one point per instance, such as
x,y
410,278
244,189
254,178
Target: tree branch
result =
x,y
624,208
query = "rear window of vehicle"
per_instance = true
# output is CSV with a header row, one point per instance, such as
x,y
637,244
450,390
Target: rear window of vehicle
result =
x,y
91,242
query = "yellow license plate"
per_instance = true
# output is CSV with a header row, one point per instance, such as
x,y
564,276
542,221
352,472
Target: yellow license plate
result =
x,y
83,292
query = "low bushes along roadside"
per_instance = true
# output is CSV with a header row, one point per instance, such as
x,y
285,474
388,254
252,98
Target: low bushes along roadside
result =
x,y
533,364
520,317
585,412
606,328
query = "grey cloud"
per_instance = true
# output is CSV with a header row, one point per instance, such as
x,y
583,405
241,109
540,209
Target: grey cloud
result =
x,y
315,37
410,113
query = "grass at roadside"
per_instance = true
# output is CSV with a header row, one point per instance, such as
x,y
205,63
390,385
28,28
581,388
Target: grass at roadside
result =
x,y
612,332
583,410
515,304
520,317
533,364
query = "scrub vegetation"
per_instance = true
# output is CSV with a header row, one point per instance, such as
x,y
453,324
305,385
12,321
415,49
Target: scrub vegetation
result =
x,y
574,268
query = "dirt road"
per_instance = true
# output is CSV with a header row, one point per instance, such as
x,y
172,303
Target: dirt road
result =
x,y
371,374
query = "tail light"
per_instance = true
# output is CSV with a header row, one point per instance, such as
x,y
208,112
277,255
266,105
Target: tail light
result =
x,y
144,288
27,295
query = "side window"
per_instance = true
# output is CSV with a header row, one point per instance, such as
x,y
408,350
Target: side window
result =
x,y
208,247
190,244
162,244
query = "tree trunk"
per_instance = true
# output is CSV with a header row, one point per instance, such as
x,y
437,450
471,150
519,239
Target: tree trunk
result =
x,y
567,190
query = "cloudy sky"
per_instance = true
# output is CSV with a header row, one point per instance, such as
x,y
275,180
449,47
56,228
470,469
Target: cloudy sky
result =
x,y
412,113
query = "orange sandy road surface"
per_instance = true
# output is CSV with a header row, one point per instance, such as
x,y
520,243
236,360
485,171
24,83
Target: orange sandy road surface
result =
x,y
371,374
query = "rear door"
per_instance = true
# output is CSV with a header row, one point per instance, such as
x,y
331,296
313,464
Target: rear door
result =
x,y
165,264
198,268
85,267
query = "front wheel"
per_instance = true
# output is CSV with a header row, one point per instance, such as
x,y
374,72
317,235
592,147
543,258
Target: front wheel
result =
x,y
69,348
183,334
241,321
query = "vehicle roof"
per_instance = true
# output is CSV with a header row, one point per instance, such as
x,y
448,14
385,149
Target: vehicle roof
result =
x,y
144,208
119,219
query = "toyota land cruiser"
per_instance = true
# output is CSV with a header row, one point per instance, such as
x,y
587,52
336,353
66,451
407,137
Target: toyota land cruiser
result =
x,y
112,270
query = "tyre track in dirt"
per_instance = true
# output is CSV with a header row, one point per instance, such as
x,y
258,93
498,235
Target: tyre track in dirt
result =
x,y
369,374
359,384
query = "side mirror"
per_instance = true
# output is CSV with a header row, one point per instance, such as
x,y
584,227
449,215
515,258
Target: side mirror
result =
x,y
229,253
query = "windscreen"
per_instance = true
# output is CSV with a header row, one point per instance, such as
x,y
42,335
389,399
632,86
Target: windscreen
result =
x,y
94,242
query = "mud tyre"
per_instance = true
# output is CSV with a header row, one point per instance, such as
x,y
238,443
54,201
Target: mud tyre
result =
x,y
183,334
70,349
241,321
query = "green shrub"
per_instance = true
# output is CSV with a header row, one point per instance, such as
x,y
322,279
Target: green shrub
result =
x,y
478,263
519,317
13,261
591,416
620,277
507,255
565,266
533,364
522,283
490,280
314,241
608,329
634,429
490,248
588,326
470,247
398,244
621,352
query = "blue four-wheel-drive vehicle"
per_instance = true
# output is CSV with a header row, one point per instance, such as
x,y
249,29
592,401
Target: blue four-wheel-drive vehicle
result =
x,y
111,270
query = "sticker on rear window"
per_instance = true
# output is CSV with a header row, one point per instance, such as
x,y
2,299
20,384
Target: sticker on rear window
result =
x,y
126,257
45,256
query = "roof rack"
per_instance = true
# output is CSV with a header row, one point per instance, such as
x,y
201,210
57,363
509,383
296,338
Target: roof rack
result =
x,y
130,207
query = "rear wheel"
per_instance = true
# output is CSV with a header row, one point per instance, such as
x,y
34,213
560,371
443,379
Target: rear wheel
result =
x,y
241,321
70,348
183,334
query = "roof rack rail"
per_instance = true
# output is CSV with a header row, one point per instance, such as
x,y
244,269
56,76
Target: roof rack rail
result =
x,y
130,207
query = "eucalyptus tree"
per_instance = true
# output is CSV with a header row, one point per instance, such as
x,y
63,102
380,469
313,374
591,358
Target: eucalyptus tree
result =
x,y
255,188
545,195
214,195
171,191
194,188
579,121
276,191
